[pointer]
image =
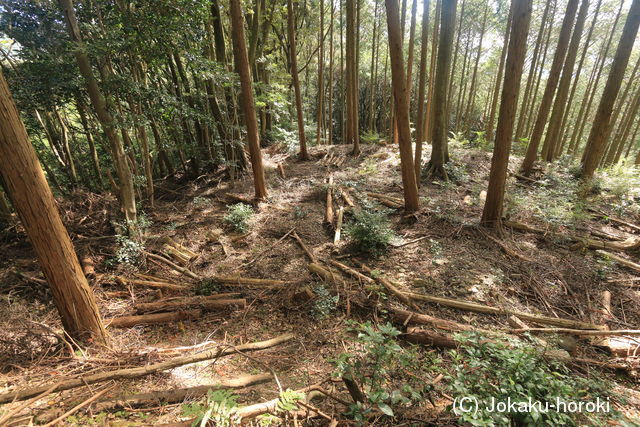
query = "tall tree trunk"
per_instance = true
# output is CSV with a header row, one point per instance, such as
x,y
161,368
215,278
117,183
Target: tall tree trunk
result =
x,y
496,90
532,71
576,80
422,83
246,98
32,198
620,139
412,36
428,121
550,88
472,89
95,161
127,194
602,121
440,114
521,13
293,60
320,106
330,138
353,136
538,80
560,103
455,55
372,81
400,94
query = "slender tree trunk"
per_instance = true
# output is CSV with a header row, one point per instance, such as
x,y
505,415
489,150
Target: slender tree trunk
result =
x,y
496,89
591,93
32,198
602,121
440,115
127,194
398,77
534,97
550,88
412,36
492,212
330,138
566,118
428,125
95,161
472,89
422,83
320,106
304,155
532,71
246,98
622,133
452,78
352,78
560,103
372,81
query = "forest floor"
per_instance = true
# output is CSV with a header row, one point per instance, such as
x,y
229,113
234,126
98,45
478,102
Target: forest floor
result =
x,y
538,274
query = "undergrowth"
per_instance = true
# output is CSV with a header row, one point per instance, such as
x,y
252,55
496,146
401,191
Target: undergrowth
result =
x,y
239,217
370,231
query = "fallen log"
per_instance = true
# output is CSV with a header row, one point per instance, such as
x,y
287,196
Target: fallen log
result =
x,y
580,332
625,245
249,281
346,198
150,319
406,317
387,201
176,254
150,284
391,288
304,247
242,199
180,394
480,308
326,275
440,340
142,370
88,267
79,406
629,264
186,251
203,303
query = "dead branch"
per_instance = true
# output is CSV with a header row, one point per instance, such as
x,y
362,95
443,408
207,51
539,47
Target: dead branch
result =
x,y
480,308
143,370
150,319
629,264
181,394
204,303
150,284
391,288
336,237
176,267
304,247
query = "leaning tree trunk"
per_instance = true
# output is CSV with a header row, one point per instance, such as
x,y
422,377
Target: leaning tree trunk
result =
x,y
400,95
32,198
246,98
602,121
521,17
127,194
293,61
550,88
440,114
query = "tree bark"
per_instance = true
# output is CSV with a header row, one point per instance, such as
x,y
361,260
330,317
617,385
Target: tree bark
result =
x,y
320,106
293,60
550,88
422,82
127,194
521,18
246,98
560,103
496,89
602,121
32,198
440,114
400,94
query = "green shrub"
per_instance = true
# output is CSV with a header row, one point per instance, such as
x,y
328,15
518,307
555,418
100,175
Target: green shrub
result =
x,y
218,408
379,366
129,251
239,216
490,372
370,231
325,304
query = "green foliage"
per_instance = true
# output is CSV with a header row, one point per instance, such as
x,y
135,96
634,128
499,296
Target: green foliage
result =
x,y
457,172
207,286
288,400
490,372
370,231
379,366
325,304
239,216
129,251
217,408
299,213
369,137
